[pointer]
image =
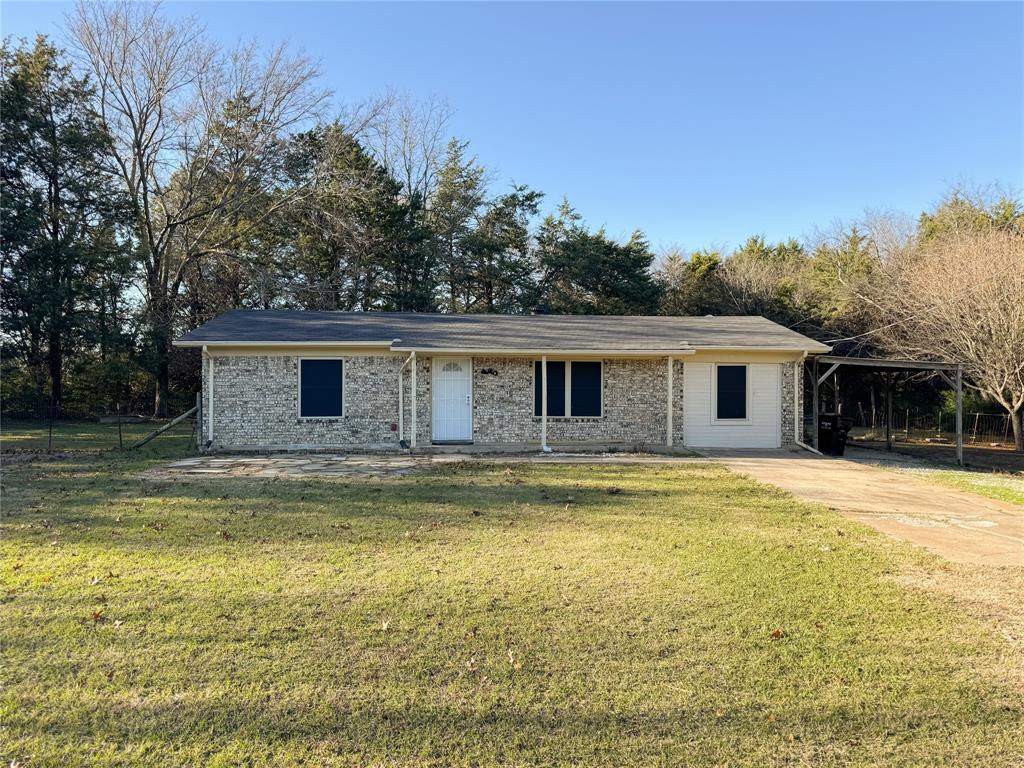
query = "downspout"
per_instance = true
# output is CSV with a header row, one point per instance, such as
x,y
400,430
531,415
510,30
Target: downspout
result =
x,y
798,414
401,399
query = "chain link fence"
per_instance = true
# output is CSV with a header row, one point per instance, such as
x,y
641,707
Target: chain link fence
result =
x,y
39,425
909,426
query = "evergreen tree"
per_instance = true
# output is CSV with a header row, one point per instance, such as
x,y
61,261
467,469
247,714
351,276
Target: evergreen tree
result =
x,y
500,270
588,273
356,242
454,209
966,212
765,279
691,284
60,209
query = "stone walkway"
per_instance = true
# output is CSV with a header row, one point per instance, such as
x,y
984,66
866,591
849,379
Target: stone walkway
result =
x,y
294,465
375,465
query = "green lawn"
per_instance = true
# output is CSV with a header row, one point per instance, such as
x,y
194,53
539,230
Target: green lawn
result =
x,y
996,485
479,615
87,435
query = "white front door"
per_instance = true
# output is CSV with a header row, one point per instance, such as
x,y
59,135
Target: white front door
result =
x,y
452,387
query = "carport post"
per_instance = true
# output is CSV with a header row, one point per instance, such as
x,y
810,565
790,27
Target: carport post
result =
x,y
959,414
814,392
888,411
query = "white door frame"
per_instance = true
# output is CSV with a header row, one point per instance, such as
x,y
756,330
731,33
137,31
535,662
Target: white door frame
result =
x,y
436,367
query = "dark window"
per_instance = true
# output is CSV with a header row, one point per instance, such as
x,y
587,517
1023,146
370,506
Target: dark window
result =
x,y
321,388
732,391
586,389
556,388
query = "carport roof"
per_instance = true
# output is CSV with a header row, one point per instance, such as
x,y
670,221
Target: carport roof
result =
x,y
523,333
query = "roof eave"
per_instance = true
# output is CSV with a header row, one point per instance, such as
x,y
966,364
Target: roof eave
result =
x,y
809,349
544,351
185,342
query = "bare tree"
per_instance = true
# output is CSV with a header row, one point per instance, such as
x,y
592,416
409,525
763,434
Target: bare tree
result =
x,y
961,297
409,138
193,128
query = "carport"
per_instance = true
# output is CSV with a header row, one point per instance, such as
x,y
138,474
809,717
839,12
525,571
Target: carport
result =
x,y
951,373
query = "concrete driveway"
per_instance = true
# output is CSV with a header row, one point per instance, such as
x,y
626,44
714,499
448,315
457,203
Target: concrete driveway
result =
x,y
957,525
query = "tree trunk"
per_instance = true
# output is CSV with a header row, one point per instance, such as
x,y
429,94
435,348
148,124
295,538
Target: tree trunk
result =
x,y
161,401
1017,419
161,318
55,359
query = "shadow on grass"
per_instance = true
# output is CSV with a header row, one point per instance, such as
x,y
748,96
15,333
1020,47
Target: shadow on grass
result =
x,y
96,499
490,727
87,505
256,621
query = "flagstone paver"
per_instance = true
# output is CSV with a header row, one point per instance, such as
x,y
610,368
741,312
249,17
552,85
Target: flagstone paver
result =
x,y
293,465
286,465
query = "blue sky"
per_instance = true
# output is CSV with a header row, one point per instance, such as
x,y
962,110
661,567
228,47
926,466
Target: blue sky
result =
x,y
698,123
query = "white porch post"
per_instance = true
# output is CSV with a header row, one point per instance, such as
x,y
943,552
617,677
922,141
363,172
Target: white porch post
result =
x,y
412,402
543,402
668,420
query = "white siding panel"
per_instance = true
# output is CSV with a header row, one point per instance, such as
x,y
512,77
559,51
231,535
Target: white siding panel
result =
x,y
761,430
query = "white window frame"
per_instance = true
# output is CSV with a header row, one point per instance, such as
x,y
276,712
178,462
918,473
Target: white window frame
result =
x,y
714,394
568,387
344,395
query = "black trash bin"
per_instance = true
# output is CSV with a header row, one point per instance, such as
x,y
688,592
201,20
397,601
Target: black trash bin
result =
x,y
832,433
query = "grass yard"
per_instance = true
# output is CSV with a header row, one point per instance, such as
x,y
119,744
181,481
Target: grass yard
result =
x,y
478,615
89,435
995,485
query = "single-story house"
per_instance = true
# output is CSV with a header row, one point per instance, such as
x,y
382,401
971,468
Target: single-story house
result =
x,y
288,380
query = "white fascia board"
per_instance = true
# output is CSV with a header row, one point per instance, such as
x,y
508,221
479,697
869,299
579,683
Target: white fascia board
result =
x,y
819,349
534,352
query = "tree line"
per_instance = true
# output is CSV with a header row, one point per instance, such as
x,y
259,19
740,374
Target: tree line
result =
x,y
152,179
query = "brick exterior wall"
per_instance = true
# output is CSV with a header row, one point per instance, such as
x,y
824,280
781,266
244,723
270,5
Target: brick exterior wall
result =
x,y
679,436
790,379
256,405
633,405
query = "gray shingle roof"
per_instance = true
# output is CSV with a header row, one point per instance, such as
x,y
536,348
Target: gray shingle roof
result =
x,y
423,331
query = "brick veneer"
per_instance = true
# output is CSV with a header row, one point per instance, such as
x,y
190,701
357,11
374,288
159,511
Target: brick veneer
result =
x,y
256,404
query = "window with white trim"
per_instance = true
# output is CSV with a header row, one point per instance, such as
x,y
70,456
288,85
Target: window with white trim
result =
x,y
321,385
574,388
730,392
